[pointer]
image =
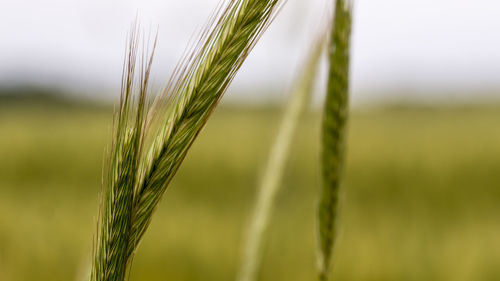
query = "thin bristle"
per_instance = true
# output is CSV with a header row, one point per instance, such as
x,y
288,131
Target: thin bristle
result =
x,y
334,133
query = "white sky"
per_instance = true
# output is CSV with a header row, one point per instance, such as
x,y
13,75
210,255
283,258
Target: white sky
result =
x,y
434,46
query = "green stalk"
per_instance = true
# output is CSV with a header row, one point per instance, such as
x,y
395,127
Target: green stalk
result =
x,y
334,133
273,172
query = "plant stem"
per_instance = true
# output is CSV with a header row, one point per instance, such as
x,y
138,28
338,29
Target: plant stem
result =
x,y
273,172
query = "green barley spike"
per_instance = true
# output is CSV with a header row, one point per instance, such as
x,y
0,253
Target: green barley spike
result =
x,y
150,143
334,133
196,91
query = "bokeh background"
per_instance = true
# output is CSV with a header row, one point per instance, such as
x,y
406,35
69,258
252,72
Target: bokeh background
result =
x,y
421,199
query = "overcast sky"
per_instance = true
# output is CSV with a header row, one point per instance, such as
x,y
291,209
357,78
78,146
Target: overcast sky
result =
x,y
437,47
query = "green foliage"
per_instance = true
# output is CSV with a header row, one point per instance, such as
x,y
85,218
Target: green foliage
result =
x,y
408,214
334,133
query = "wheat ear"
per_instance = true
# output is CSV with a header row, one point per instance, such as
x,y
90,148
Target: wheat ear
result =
x,y
334,133
150,143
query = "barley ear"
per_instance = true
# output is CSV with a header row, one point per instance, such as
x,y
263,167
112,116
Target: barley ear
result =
x,y
144,158
121,172
333,139
196,88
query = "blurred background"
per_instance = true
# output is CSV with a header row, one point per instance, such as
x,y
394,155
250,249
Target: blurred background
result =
x,y
422,191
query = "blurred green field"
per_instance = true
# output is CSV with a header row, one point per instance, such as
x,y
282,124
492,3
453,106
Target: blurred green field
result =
x,y
421,198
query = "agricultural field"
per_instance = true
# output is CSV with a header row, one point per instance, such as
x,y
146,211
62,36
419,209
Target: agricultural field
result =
x,y
421,200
